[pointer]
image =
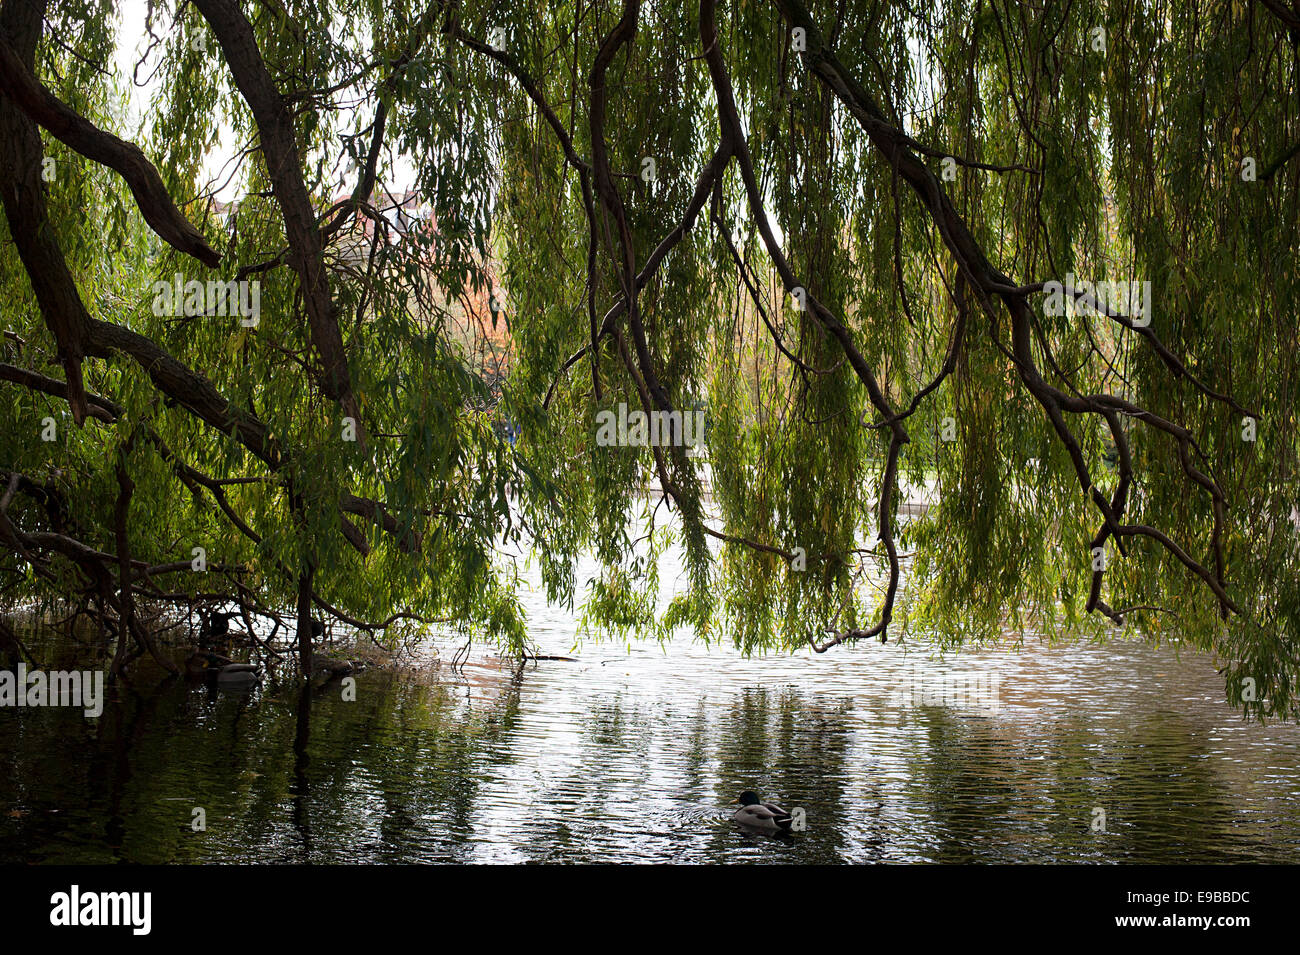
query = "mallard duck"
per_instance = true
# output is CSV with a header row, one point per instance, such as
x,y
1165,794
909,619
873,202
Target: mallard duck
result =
x,y
202,662
761,815
216,624
220,670
320,663
239,674
215,632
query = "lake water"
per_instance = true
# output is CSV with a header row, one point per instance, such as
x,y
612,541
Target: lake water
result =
x,y
632,754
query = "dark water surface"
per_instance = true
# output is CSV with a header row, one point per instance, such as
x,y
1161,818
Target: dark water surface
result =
x,y
633,755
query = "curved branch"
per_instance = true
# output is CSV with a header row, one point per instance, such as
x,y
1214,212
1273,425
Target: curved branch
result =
x,y
127,159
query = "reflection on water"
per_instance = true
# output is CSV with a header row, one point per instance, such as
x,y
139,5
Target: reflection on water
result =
x,y
633,754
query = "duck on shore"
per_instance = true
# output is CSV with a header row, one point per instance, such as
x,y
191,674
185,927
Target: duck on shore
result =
x,y
214,631
333,666
216,624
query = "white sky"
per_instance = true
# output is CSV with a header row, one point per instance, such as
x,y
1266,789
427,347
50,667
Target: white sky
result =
x,y
132,42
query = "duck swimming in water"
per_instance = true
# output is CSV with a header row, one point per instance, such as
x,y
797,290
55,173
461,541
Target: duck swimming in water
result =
x,y
220,670
761,815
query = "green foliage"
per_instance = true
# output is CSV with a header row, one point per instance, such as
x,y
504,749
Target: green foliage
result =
x,y
1122,164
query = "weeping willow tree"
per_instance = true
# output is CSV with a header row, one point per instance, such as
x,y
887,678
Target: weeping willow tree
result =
x,y
1039,258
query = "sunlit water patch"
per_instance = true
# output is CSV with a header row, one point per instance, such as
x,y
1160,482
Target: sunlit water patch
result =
x,y
633,754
